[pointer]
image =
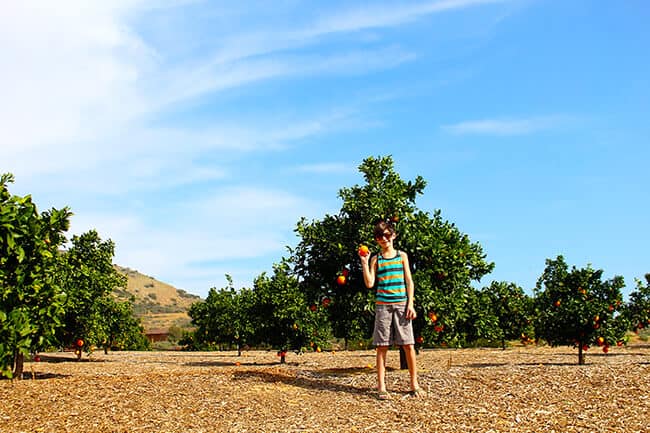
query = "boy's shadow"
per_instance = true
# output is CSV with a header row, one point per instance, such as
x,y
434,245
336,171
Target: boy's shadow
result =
x,y
314,380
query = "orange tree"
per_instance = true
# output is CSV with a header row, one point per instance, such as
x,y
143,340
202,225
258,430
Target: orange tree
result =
x,y
285,319
223,319
444,261
87,275
273,313
505,312
31,301
119,327
577,308
637,310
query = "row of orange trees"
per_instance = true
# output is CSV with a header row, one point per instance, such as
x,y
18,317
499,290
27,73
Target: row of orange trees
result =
x,y
318,292
53,296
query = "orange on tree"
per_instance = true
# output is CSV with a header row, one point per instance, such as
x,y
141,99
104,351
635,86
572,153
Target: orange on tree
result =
x,y
326,302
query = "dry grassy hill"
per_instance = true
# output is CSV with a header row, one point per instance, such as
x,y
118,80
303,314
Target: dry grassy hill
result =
x,y
159,304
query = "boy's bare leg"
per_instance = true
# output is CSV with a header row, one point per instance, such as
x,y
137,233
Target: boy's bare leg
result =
x,y
382,351
409,350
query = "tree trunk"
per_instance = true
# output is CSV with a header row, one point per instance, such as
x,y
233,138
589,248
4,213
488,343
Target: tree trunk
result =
x,y
581,355
346,343
503,344
283,359
19,361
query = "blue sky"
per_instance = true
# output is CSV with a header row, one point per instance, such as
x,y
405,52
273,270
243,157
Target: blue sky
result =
x,y
195,134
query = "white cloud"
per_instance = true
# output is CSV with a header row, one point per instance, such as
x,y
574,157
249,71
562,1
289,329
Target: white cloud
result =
x,y
326,168
375,15
88,109
200,240
505,127
63,63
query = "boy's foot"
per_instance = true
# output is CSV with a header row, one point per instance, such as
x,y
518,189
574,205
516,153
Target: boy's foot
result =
x,y
383,395
418,392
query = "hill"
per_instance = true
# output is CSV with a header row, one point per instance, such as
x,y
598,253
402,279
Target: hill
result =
x,y
159,305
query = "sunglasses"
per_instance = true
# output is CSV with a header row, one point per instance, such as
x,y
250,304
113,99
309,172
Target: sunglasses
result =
x,y
385,235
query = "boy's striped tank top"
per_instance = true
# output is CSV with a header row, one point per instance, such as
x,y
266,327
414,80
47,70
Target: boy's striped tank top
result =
x,y
391,288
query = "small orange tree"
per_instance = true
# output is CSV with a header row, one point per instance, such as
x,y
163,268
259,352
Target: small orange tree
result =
x,y
224,318
119,327
502,311
637,310
87,275
285,319
576,308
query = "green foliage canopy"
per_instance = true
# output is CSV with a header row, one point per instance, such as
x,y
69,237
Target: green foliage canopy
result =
x,y
444,260
88,276
637,310
577,308
31,301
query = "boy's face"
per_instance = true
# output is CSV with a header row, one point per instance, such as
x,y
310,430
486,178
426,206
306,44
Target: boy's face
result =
x,y
386,239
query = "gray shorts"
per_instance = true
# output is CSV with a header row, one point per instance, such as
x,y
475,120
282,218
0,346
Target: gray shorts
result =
x,y
392,326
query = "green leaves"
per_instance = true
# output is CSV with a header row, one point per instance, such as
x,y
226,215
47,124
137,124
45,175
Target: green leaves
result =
x,y
444,261
637,311
30,297
87,275
577,308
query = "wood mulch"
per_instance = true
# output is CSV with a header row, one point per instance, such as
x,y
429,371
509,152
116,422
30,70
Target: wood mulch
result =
x,y
521,389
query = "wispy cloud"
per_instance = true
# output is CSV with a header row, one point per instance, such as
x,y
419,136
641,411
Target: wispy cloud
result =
x,y
326,168
220,230
97,108
511,126
377,15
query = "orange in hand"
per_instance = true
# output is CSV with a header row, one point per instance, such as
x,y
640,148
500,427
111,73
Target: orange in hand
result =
x,y
363,250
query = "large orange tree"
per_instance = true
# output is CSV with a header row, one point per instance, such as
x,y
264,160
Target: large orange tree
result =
x,y
444,260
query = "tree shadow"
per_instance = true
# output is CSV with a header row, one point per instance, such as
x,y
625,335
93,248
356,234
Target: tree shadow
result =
x,y
28,375
640,345
350,371
58,358
315,382
234,363
482,365
607,355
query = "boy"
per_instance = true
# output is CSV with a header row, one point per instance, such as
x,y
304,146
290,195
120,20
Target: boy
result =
x,y
394,309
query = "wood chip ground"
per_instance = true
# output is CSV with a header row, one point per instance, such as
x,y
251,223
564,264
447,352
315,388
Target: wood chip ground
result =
x,y
520,389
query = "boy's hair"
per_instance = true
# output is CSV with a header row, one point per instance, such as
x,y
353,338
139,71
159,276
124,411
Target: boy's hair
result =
x,y
382,226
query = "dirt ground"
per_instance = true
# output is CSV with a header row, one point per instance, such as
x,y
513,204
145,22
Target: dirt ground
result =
x,y
521,389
